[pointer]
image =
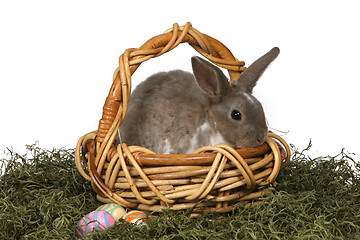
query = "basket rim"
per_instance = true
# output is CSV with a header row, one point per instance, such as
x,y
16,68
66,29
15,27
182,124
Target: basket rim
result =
x,y
154,159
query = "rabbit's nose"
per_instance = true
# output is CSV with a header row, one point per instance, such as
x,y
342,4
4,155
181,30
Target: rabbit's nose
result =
x,y
261,138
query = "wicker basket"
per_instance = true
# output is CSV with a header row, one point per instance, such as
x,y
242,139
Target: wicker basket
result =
x,y
213,179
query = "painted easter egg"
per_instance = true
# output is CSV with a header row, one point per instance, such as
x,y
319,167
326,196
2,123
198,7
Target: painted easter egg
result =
x,y
115,210
136,217
94,221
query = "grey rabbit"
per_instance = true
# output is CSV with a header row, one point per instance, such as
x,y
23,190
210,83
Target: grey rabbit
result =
x,y
178,112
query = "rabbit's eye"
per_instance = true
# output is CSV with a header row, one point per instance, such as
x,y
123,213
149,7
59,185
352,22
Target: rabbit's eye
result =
x,y
236,115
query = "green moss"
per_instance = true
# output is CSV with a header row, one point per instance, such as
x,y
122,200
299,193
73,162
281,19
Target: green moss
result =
x,y
42,196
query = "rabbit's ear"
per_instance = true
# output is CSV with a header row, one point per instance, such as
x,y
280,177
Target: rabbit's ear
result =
x,y
210,79
251,75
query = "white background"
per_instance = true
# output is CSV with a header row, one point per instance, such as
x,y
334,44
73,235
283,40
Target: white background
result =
x,y
57,59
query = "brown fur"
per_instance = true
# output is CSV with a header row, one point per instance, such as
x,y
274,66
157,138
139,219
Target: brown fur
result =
x,y
177,112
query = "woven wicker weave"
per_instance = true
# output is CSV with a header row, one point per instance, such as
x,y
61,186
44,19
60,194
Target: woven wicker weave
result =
x,y
213,178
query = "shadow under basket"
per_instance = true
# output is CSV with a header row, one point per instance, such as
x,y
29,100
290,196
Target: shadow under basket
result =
x,y
213,179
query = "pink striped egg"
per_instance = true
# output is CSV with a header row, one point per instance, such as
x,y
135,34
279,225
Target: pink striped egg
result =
x,y
115,210
135,217
94,221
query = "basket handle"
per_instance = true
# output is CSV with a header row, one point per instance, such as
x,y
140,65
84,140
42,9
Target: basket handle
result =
x,y
115,106
207,46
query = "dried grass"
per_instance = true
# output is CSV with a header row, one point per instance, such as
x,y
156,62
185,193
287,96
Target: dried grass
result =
x,y
42,196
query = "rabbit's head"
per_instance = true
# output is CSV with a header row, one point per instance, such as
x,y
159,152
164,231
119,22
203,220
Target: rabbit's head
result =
x,y
236,114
